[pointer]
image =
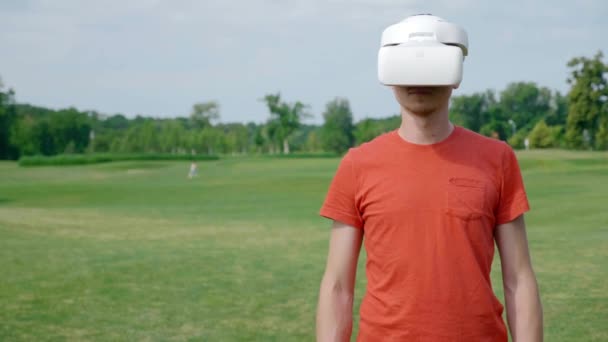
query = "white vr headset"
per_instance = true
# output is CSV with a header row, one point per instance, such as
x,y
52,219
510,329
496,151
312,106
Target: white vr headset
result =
x,y
422,50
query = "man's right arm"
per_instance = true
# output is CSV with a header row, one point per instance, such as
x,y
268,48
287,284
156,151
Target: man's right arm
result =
x,y
335,308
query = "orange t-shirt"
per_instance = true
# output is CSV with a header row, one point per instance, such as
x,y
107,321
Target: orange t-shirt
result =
x,y
429,214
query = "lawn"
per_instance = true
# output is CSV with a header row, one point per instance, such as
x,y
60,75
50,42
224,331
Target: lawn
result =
x,y
136,251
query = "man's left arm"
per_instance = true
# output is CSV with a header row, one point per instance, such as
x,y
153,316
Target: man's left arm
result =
x,y
524,310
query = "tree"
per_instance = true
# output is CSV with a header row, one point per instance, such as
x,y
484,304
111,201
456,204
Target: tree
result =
x,y
8,119
337,132
558,112
271,129
22,135
172,136
108,131
312,142
204,113
367,129
474,111
496,129
69,127
258,138
284,119
525,103
236,137
601,135
142,136
148,137
208,140
115,122
299,138
587,103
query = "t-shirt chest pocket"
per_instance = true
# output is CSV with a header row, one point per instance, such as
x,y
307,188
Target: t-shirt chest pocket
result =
x,y
466,198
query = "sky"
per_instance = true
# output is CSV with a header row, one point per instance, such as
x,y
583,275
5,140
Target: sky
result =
x,y
157,58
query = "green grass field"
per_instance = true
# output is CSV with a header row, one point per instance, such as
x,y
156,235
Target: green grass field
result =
x,y
135,251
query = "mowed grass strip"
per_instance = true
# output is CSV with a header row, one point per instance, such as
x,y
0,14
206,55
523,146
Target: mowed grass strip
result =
x,y
136,251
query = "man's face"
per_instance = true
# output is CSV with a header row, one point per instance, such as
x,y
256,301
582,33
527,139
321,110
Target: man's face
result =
x,y
422,101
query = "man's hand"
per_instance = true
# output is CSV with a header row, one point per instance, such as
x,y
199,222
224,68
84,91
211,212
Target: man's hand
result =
x,y
335,309
524,311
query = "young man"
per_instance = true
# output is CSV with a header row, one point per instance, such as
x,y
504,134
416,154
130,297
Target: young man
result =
x,y
428,201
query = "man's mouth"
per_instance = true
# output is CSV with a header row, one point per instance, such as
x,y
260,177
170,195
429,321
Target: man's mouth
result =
x,y
419,91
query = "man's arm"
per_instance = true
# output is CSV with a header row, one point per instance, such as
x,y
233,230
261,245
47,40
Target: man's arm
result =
x,y
524,311
335,309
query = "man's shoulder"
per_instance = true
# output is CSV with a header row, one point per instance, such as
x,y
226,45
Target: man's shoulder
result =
x,y
374,147
483,143
485,152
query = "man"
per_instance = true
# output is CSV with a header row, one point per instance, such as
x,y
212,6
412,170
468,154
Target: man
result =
x,y
193,170
428,200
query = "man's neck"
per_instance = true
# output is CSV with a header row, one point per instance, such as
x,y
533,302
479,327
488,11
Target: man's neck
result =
x,y
425,130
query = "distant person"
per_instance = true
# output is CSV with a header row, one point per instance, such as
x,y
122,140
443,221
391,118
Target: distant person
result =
x,y
527,143
428,200
193,170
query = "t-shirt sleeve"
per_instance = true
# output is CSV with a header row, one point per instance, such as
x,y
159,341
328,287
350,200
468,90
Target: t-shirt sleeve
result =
x,y
340,202
513,200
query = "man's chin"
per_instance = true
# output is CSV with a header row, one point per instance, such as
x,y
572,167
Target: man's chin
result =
x,y
421,111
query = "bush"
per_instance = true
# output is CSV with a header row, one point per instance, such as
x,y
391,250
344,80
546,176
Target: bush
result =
x,y
304,155
517,140
543,136
82,159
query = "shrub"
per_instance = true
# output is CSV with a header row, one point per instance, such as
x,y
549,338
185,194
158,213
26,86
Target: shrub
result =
x,y
543,136
81,159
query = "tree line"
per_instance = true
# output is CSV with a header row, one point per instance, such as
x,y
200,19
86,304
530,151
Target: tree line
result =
x,y
523,111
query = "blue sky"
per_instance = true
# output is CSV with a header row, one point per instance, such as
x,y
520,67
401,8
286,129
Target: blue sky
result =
x,y
157,58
